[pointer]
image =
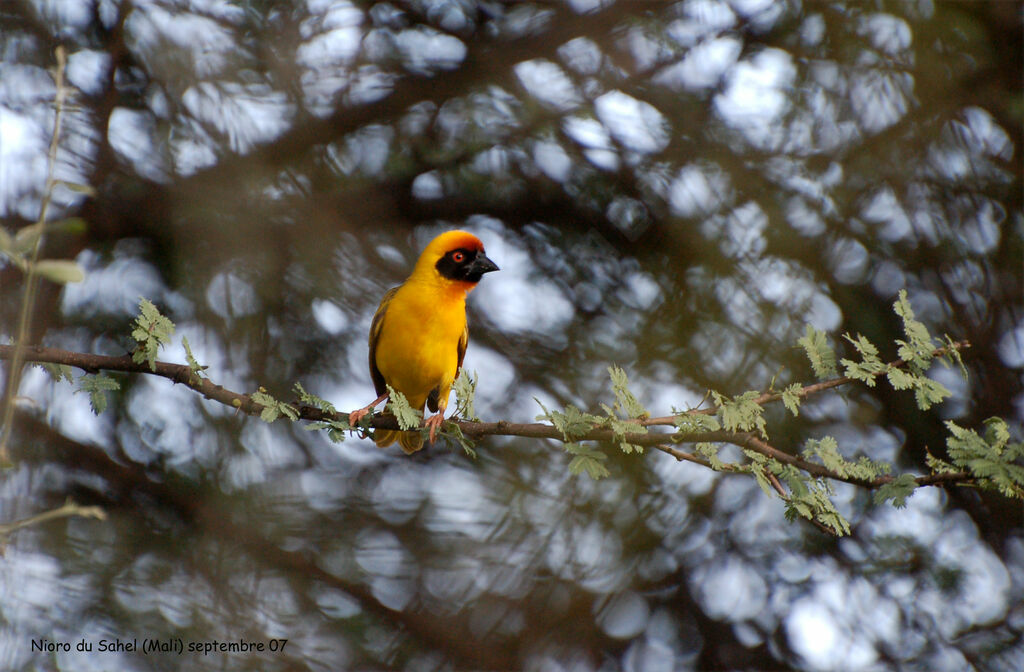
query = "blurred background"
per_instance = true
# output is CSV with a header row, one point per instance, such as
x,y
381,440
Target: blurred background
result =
x,y
677,188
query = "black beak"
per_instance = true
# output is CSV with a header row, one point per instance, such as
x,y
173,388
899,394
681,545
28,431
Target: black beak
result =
x,y
483,265
480,265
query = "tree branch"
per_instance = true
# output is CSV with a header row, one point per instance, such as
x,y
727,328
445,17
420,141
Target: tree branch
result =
x,y
178,373
183,374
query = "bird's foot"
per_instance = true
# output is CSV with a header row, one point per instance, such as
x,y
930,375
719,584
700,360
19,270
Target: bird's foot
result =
x,y
434,424
355,416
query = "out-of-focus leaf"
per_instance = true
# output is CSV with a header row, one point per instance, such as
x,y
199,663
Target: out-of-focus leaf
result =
x,y
61,271
26,238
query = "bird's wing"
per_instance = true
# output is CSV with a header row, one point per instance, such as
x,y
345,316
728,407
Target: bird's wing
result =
x,y
435,394
463,342
375,328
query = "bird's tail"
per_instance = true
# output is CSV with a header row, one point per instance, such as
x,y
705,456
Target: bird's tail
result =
x,y
409,441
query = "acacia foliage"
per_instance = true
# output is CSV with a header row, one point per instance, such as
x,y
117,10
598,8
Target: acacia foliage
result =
x,y
990,461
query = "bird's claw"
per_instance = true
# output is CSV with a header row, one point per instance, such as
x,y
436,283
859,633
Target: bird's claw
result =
x,y
434,423
355,416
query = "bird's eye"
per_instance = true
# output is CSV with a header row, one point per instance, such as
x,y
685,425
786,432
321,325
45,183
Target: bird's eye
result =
x,y
458,257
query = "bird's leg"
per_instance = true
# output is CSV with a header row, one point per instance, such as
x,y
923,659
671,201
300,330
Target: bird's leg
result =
x,y
434,423
355,416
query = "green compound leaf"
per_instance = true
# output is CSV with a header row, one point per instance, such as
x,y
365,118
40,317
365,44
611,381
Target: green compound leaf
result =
x,y
693,423
709,451
815,503
454,433
794,479
901,379
930,392
897,490
757,468
196,367
623,417
815,344
622,427
573,423
270,411
97,387
625,401
335,428
587,459
927,392
465,393
741,414
953,356
991,459
152,330
918,349
827,451
868,369
791,397
407,416
809,497
997,433
314,401
272,408
58,372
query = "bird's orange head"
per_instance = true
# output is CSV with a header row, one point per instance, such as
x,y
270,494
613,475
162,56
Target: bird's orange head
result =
x,y
456,256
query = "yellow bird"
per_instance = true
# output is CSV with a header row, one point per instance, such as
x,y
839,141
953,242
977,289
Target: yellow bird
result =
x,y
418,335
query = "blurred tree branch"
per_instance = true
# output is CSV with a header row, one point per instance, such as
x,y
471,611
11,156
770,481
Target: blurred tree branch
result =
x,y
130,482
69,509
485,61
28,296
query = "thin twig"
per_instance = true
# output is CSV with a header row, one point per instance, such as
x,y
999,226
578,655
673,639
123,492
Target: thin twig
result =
x,y
683,456
31,276
807,390
69,508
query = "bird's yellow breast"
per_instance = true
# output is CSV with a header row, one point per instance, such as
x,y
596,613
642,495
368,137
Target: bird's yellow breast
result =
x,y
419,339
